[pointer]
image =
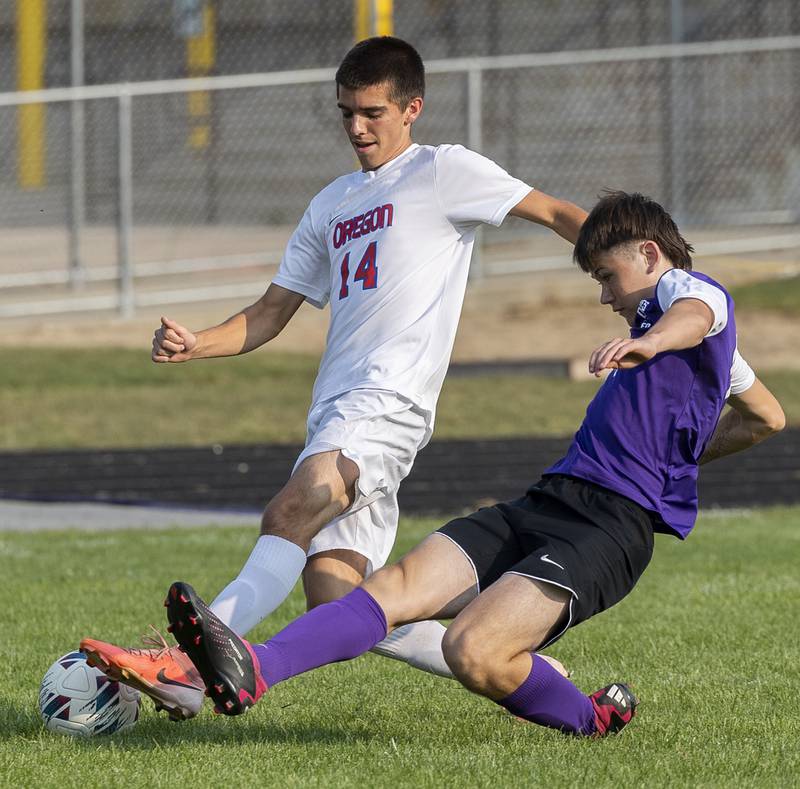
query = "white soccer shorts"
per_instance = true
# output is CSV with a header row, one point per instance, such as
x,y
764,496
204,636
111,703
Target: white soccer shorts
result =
x,y
381,432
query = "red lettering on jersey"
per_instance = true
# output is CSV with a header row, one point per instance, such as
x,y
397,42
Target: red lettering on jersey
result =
x,y
344,291
363,224
375,219
367,271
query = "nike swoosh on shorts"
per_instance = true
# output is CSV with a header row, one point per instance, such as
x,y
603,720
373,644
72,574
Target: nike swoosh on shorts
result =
x,y
546,558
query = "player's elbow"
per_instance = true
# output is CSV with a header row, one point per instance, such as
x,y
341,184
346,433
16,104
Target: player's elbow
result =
x,y
773,421
766,422
263,324
566,219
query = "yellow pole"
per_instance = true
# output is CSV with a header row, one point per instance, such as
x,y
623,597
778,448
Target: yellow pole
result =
x,y
31,49
373,18
361,19
384,18
200,57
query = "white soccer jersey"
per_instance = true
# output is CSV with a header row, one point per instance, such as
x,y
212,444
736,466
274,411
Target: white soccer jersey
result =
x,y
390,250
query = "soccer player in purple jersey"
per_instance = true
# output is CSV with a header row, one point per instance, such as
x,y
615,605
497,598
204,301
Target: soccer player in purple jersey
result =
x,y
514,577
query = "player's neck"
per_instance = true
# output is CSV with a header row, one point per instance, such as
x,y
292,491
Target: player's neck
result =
x,y
649,289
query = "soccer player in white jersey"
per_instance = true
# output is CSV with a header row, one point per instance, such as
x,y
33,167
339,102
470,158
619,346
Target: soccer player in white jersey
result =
x,y
389,248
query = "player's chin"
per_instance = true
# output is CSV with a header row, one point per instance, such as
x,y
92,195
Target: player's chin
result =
x,y
366,154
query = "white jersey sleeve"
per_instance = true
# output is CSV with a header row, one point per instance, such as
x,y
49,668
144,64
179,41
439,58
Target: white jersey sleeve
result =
x,y
679,284
472,189
305,266
742,375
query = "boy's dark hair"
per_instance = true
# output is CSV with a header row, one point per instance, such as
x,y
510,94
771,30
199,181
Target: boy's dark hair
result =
x,y
374,61
620,217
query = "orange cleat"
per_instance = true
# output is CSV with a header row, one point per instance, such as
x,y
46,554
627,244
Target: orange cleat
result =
x,y
162,672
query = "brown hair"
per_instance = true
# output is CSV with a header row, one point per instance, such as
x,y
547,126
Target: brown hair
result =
x,y
621,217
384,59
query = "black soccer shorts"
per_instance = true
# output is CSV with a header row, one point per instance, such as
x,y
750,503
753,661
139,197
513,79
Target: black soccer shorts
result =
x,y
567,532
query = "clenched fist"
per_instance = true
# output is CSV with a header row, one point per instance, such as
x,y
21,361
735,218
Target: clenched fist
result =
x,y
172,342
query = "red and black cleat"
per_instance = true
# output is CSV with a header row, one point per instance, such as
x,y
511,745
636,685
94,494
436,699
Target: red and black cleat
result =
x,y
227,664
614,707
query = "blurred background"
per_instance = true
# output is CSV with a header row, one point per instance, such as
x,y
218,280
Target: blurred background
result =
x,y
155,155
117,188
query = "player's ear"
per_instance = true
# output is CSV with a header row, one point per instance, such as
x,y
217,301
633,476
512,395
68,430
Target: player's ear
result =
x,y
413,110
652,255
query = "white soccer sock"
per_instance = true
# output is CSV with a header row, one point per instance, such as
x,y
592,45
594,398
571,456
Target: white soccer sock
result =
x,y
418,644
268,575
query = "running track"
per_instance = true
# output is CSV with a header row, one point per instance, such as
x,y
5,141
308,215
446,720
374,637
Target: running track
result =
x,y
448,477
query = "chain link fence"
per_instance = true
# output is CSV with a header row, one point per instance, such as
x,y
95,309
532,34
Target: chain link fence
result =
x,y
172,180
138,40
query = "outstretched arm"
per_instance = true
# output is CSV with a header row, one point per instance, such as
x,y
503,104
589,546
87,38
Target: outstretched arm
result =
x,y
754,415
683,325
563,217
248,329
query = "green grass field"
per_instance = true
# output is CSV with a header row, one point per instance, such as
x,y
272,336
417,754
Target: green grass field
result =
x,y
708,640
71,399
776,295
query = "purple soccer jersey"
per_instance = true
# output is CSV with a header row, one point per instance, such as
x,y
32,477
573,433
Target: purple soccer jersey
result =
x,y
646,427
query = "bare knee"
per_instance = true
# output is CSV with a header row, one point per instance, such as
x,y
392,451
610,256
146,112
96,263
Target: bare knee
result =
x,y
471,658
387,582
332,574
283,518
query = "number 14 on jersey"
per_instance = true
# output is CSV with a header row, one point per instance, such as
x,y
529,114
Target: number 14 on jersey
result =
x,y
366,271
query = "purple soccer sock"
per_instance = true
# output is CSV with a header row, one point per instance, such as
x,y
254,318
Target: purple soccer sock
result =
x,y
341,630
549,699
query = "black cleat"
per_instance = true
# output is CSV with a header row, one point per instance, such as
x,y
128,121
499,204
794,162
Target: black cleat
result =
x,y
226,662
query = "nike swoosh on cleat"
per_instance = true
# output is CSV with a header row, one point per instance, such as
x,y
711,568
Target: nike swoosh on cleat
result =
x,y
546,558
162,677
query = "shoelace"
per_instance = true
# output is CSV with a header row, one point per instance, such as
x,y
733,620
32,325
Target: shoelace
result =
x,y
155,645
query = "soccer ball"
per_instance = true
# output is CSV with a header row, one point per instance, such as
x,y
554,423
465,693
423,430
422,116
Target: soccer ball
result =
x,y
76,699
